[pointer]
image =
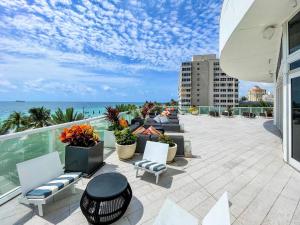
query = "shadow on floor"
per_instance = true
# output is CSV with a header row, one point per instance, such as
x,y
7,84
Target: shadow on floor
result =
x,y
135,208
57,209
269,126
179,162
165,179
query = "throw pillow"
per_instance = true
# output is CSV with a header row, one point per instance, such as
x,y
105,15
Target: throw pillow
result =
x,y
157,119
151,131
164,119
154,131
140,130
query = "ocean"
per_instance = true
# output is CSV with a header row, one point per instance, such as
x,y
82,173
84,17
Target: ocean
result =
x,y
90,109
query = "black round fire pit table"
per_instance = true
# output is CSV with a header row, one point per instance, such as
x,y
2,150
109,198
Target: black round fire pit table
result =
x,y
106,198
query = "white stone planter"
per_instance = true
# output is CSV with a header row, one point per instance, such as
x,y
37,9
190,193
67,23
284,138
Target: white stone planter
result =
x,y
125,151
109,139
171,153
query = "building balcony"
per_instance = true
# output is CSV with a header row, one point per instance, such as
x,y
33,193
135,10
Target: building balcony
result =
x,y
239,155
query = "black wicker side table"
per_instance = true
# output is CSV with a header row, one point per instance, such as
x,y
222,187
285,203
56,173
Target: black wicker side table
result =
x,y
106,198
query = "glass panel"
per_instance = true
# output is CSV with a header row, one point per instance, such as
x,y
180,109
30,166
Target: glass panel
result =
x,y
204,110
17,150
295,97
294,34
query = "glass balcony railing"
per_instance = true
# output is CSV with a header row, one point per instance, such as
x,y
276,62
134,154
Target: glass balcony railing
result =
x,y
237,111
22,146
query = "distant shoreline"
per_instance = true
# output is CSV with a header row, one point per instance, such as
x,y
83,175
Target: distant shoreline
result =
x,y
90,109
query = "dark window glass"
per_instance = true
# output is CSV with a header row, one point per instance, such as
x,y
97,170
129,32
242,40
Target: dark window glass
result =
x,y
295,86
295,65
294,34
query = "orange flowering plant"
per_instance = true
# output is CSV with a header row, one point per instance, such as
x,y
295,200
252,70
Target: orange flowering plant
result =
x,y
123,123
80,135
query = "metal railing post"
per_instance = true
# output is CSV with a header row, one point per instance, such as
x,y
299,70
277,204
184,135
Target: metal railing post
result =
x,y
51,140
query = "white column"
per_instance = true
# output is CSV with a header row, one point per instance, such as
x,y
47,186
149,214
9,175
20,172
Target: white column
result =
x,y
285,100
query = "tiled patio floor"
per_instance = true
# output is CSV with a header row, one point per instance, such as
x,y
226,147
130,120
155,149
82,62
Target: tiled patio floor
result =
x,y
238,155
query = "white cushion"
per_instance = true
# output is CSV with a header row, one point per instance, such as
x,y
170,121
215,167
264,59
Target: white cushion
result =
x,y
157,119
164,119
219,214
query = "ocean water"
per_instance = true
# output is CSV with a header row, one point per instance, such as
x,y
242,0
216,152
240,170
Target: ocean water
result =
x,y
90,109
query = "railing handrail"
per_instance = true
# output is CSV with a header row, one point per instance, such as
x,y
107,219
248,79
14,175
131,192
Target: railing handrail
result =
x,y
48,128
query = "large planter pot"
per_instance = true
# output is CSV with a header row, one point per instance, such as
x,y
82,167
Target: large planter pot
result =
x,y
125,151
171,153
84,159
109,139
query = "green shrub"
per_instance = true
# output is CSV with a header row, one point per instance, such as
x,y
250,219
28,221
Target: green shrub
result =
x,y
125,137
167,140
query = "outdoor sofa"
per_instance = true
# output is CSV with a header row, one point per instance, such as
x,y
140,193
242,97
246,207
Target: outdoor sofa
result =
x,y
143,138
171,126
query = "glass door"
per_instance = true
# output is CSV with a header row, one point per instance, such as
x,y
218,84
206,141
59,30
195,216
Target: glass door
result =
x,y
295,118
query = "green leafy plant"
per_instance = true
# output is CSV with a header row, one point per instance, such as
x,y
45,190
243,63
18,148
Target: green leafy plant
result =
x,y
156,109
69,116
126,107
16,121
166,139
135,113
39,117
112,116
125,137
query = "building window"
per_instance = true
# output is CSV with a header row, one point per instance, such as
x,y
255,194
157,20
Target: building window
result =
x,y
295,65
294,34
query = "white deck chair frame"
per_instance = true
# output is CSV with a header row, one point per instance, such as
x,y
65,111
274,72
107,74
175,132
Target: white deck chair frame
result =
x,y
155,152
35,172
172,214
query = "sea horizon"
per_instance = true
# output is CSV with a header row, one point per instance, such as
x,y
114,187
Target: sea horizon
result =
x,y
89,109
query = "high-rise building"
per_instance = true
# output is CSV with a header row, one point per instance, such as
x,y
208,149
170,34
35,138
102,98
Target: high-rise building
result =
x,y
203,83
256,94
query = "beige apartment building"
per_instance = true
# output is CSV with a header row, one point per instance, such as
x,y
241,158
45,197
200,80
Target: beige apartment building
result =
x,y
256,94
203,83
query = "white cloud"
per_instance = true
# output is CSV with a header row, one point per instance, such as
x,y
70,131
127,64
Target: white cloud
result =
x,y
106,88
6,85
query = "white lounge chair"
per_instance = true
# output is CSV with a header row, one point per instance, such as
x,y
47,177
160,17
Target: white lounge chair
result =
x,y
154,159
43,177
172,214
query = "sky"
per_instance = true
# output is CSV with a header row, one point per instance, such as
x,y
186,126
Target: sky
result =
x,y
105,50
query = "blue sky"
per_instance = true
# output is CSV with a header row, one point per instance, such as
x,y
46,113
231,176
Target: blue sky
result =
x,y
88,50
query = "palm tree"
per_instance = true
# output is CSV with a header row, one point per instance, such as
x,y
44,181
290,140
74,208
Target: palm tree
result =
x,y
39,117
16,121
60,117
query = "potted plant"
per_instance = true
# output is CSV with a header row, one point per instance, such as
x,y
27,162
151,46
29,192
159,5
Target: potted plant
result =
x,y
112,116
172,147
193,110
84,152
269,113
125,143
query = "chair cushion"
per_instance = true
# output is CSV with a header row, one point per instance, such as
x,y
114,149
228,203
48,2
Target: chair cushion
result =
x,y
53,186
147,164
